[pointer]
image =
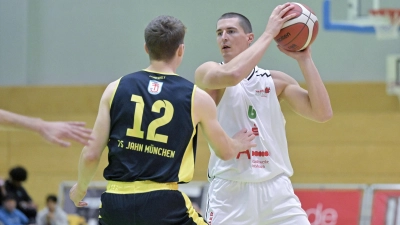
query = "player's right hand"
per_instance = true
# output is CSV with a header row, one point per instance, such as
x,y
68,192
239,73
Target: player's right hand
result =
x,y
76,195
276,20
244,140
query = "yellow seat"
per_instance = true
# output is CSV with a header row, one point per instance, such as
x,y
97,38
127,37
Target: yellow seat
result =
x,y
74,219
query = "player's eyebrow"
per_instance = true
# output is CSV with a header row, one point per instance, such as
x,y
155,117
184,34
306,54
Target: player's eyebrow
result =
x,y
228,28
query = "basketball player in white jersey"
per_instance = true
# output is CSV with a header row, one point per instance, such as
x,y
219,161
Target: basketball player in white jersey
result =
x,y
254,188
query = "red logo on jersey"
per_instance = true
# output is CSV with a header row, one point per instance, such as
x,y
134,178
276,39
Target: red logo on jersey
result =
x,y
247,152
253,153
263,93
154,87
260,153
256,158
256,155
211,218
255,130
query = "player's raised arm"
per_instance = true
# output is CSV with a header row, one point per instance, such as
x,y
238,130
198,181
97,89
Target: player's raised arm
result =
x,y
212,76
224,147
313,103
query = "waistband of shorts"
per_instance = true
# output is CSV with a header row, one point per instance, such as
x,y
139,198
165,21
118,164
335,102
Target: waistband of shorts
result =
x,y
250,180
118,187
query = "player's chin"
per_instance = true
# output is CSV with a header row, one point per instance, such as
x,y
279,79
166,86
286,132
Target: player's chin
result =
x,y
226,53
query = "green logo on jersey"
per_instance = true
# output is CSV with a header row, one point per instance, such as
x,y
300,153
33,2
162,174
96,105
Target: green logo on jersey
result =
x,y
252,113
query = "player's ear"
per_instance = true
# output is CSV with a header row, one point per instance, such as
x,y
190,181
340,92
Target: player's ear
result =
x,y
181,50
146,49
250,38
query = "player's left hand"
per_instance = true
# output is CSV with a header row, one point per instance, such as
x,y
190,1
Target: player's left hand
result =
x,y
304,54
76,195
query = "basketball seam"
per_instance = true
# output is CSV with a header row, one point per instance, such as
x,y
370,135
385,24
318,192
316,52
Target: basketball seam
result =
x,y
311,13
309,16
305,24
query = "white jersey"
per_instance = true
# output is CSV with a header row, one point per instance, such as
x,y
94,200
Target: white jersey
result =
x,y
254,105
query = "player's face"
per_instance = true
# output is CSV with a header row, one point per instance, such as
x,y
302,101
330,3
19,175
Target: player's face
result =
x,y
231,38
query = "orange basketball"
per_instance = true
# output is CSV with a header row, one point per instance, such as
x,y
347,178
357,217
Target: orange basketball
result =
x,y
299,32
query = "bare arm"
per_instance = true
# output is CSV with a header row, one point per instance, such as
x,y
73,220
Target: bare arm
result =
x,y
206,116
313,103
91,154
213,76
53,132
13,119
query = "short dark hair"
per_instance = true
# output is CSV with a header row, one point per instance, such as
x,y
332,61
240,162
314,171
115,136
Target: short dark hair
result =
x,y
18,173
163,35
243,21
9,196
52,198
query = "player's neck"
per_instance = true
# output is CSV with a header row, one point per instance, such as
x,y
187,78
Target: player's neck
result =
x,y
226,59
162,67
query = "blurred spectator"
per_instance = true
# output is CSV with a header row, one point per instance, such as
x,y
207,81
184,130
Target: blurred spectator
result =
x,y
9,214
3,191
13,186
52,214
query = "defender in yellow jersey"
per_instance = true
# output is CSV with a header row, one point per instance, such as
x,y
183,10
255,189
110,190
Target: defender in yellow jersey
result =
x,y
148,120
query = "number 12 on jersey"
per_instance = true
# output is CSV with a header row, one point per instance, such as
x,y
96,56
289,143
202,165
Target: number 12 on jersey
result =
x,y
137,131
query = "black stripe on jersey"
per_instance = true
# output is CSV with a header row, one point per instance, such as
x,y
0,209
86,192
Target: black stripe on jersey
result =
x,y
259,75
208,174
251,74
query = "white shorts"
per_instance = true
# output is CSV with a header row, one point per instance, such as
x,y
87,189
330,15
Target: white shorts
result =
x,y
271,202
